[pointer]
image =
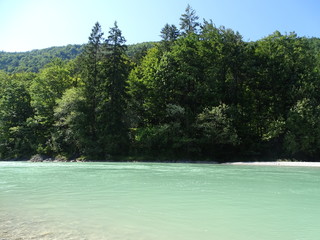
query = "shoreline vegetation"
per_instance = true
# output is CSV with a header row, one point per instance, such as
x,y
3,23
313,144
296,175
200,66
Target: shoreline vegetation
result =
x,y
201,93
268,162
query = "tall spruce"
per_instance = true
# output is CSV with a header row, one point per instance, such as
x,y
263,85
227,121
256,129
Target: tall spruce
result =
x,y
91,74
117,70
169,33
189,21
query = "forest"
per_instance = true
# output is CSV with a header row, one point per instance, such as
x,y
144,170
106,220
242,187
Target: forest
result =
x,y
202,92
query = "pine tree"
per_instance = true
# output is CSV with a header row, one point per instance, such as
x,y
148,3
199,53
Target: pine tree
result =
x,y
91,74
116,65
169,33
188,21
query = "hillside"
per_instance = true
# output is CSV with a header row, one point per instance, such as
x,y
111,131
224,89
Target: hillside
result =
x,y
34,60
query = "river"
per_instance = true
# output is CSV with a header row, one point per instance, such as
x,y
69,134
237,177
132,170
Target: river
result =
x,y
154,201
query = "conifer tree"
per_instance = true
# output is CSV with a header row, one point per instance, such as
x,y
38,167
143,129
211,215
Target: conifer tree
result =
x,y
91,74
188,21
169,33
116,65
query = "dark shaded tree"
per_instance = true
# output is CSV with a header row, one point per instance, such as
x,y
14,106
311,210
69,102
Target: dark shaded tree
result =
x,y
115,104
92,77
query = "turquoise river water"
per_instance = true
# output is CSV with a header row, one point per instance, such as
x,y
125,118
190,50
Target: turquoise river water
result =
x,y
153,201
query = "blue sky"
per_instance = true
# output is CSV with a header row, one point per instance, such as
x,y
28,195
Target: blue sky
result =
x,y
36,24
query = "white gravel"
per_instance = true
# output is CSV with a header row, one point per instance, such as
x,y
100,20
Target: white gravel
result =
x,y
279,163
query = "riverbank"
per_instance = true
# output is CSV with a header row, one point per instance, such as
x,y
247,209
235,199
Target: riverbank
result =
x,y
262,162
278,163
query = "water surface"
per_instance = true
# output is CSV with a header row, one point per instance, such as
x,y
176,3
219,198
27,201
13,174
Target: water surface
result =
x,y
137,201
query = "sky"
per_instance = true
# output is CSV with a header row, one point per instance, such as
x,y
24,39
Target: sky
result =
x,y
36,24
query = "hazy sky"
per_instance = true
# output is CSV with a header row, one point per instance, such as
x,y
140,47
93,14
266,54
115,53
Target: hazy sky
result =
x,y
36,24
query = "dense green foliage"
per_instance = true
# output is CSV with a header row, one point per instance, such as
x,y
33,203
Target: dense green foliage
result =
x,y
202,92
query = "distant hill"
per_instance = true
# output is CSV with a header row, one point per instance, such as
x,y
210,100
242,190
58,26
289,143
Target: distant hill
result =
x,y
135,51
33,61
